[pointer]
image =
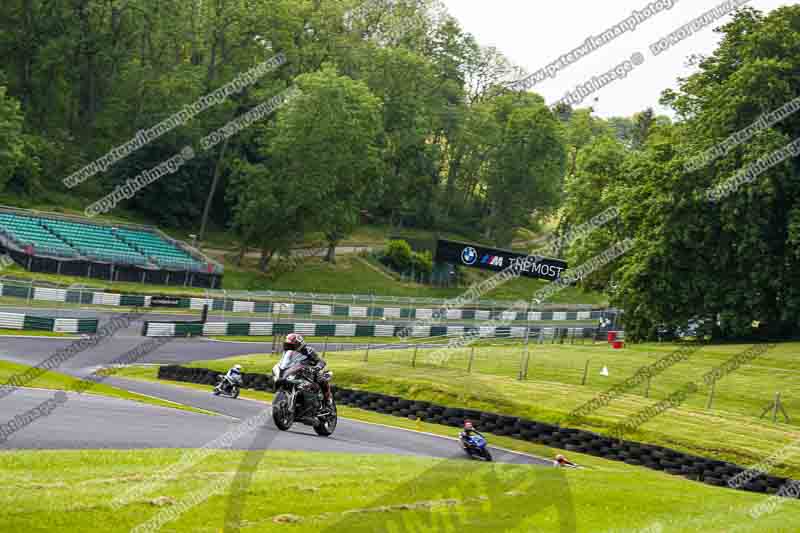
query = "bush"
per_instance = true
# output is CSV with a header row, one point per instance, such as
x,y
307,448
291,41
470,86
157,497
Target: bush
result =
x,y
399,255
422,262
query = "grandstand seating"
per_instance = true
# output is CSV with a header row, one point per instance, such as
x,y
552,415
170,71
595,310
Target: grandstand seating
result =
x,y
66,238
161,251
28,231
95,241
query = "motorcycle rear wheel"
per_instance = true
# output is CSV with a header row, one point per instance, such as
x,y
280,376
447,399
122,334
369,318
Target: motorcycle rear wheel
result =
x,y
281,414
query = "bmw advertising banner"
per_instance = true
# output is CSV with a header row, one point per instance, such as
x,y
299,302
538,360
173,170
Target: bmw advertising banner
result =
x,y
471,255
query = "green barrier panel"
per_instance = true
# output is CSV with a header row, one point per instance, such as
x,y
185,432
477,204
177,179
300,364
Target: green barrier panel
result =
x,y
217,305
131,300
73,297
438,331
263,307
468,314
238,328
547,315
405,312
16,291
325,330
36,322
572,315
282,329
375,312
229,304
184,330
87,325
341,310
302,309
364,330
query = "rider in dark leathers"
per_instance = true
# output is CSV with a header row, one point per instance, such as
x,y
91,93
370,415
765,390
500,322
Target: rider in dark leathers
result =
x,y
295,342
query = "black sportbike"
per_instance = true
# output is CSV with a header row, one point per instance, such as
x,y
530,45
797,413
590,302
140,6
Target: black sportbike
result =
x,y
299,398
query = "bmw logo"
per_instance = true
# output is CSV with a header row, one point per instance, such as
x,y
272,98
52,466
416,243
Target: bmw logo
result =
x,y
469,255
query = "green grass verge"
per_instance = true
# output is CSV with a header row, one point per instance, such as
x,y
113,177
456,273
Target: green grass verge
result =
x,y
36,333
57,381
72,490
730,430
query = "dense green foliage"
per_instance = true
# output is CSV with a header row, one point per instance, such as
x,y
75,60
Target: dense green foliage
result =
x,y
732,262
401,116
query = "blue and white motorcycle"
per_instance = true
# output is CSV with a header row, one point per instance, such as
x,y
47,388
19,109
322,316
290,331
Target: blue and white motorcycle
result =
x,y
476,448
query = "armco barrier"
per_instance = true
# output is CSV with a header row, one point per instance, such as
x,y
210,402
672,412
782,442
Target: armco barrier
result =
x,y
321,309
709,471
62,325
196,329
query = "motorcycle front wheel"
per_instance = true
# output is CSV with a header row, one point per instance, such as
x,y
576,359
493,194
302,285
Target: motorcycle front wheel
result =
x,y
326,427
282,414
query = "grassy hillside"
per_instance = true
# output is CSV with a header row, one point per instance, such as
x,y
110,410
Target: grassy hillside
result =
x,y
351,274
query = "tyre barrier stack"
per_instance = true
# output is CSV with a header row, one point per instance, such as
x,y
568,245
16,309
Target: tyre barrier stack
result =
x,y
709,471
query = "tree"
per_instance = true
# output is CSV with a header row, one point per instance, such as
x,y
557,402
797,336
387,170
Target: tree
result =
x,y
734,260
12,144
326,138
526,168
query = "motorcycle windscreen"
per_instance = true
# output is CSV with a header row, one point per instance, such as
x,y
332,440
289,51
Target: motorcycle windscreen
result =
x,y
291,358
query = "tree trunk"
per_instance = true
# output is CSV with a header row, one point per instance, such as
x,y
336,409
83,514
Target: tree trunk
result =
x,y
240,257
266,257
330,256
214,182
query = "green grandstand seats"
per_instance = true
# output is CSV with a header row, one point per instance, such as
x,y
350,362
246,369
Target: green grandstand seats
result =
x,y
118,245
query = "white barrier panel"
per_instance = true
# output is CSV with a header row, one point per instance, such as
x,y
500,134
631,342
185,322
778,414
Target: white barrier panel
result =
x,y
323,310
454,314
261,328
384,331
198,303
481,315
584,315
391,312
509,315
455,331
486,331
50,295
243,307
421,331
534,315
559,315
66,325
105,298
345,330
424,314
215,328
518,332
305,329
12,320
358,312
161,329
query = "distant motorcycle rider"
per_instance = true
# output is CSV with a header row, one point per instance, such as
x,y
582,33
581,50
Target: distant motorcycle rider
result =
x,y
469,431
234,375
295,342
